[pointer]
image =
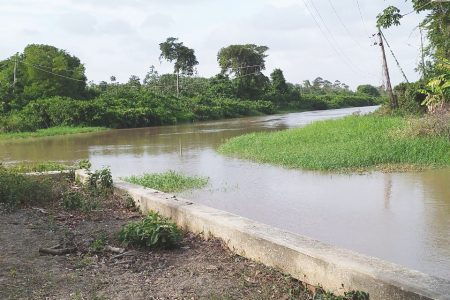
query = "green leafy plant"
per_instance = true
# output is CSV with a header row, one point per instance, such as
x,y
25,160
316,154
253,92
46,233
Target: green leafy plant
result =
x,y
101,179
154,231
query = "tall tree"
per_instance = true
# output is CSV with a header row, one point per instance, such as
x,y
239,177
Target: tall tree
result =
x,y
245,62
242,59
184,58
278,81
40,71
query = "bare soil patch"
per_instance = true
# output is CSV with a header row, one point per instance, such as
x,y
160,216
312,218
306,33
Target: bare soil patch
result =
x,y
198,269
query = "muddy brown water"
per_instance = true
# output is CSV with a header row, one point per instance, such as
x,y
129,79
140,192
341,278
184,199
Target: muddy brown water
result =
x,y
400,217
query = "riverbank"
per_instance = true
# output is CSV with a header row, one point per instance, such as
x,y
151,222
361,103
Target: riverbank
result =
x,y
62,245
52,131
354,143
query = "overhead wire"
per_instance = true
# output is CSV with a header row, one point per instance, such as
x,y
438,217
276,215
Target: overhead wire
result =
x,y
393,55
334,43
50,72
342,22
362,18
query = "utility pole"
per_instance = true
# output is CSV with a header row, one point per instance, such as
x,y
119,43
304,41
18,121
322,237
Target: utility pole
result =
x,y
391,95
15,73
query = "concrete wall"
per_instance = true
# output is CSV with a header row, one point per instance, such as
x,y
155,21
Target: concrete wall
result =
x,y
308,260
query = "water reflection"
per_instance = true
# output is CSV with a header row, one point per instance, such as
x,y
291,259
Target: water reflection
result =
x,y
403,218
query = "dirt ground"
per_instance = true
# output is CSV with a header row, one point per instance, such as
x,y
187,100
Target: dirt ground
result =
x,y
198,269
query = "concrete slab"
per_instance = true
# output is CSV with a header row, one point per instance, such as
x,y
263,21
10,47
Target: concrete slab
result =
x,y
314,262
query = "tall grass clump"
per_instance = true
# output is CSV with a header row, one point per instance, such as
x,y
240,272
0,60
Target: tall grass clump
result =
x,y
18,190
170,181
354,142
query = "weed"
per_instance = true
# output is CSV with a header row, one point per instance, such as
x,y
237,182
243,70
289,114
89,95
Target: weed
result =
x,y
101,179
83,200
84,164
17,190
169,181
154,231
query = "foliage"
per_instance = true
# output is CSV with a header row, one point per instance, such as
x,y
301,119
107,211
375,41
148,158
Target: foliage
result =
x,y
169,181
35,79
438,88
368,90
101,179
410,97
154,231
18,190
355,142
390,16
184,57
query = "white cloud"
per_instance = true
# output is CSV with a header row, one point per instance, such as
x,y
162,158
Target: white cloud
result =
x,y
121,37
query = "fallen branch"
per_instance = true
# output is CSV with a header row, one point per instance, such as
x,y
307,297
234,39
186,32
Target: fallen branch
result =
x,y
53,251
114,249
129,253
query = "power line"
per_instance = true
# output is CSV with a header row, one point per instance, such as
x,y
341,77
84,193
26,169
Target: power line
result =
x,y
342,22
49,72
393,55
333,43
362,18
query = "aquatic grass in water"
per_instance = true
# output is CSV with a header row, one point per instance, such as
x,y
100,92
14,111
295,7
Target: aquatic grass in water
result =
x,y
354,142
52,131
170,181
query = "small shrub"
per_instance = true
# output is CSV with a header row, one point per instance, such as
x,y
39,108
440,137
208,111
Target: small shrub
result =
x,y
73,200
101,179
85,200
154,231
84,164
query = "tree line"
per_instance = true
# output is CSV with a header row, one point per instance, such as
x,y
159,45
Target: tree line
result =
x,y
45,86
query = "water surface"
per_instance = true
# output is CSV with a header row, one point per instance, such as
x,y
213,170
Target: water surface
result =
x,y
403,218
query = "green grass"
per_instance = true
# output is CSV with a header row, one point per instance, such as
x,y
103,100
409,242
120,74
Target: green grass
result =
x,y
42,166
351,143
169,181
48,132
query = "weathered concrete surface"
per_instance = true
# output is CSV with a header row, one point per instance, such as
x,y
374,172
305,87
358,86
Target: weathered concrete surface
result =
x,y
308,260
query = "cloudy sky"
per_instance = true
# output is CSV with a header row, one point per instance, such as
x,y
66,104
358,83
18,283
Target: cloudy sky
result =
x,y
121,37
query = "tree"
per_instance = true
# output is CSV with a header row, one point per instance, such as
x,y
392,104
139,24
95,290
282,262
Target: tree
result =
x,y
40,71
245,62
242,59
278,81
368,90
184,58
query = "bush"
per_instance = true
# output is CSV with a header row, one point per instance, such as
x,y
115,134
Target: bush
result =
x,y
154,231
437,125
18,190
410,98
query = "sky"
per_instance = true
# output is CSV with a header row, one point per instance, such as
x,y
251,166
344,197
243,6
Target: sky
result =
x,y
121,37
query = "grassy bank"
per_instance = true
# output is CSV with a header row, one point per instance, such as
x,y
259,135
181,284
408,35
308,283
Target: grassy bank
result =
x,y
169,181
60,130
352,143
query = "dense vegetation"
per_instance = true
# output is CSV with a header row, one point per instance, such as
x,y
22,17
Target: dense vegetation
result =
x,y
355,142
45,87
